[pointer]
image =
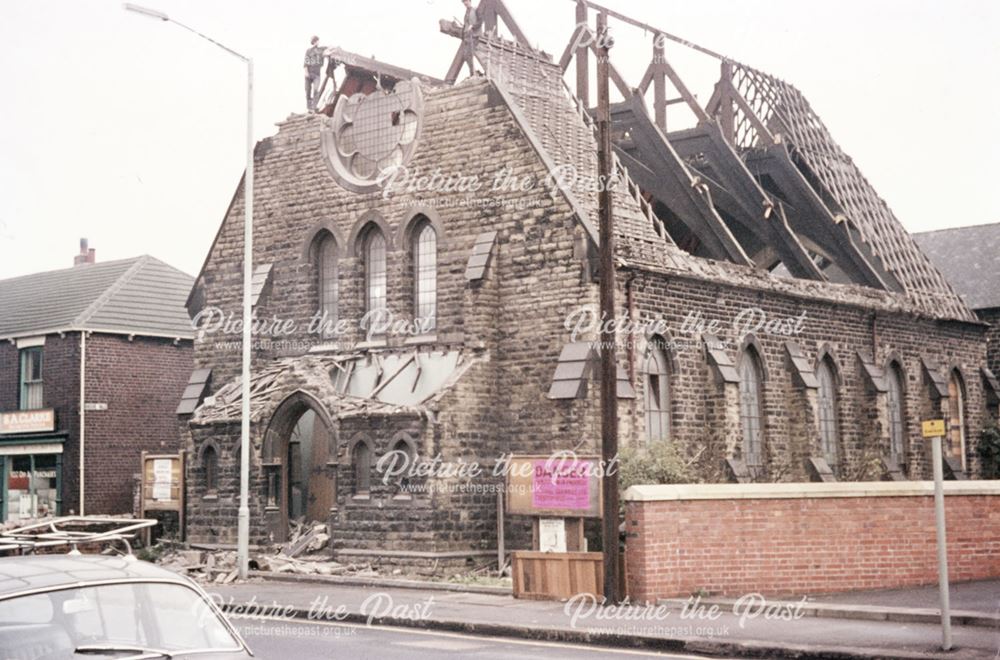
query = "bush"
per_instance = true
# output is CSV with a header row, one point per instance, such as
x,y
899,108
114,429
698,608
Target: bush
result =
x,y
989,452
658,463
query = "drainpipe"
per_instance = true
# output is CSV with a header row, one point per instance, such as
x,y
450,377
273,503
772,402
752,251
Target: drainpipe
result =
x,y
83,414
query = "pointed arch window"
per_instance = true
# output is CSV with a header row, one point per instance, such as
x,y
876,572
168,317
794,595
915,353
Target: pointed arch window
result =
x,y
751,409
375,271
362,462
328,282
829,431
897,422
210,465
425,276
657,371
956,418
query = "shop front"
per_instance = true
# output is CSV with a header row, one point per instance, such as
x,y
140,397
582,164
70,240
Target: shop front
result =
x,y
30,466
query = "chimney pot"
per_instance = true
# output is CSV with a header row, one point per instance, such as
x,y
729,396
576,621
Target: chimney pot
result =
x,y
87,255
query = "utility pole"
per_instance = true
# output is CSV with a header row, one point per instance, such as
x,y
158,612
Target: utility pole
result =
x,y
609,365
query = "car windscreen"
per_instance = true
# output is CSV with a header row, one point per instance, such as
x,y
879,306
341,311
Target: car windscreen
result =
x,y
164,616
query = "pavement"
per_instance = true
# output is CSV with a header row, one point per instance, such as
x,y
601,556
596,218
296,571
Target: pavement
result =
x,y
271,640
752,629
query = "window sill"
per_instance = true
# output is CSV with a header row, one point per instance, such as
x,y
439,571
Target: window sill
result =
x,y
210,497
325,347
402,498
361,498
420,339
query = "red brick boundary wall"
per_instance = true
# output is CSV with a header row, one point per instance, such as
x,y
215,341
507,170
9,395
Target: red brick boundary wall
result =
x,y
781,539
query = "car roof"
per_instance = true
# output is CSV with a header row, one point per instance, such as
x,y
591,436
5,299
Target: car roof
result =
x,y
34,572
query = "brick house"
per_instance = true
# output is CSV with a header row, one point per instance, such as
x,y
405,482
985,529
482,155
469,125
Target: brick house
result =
x,y
750,352
92,361
970,258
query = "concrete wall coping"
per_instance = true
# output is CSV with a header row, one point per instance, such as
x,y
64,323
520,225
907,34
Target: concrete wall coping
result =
x,y
664,493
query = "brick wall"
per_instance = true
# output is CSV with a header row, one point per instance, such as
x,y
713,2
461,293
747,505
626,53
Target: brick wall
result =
x,y
804,539
141,380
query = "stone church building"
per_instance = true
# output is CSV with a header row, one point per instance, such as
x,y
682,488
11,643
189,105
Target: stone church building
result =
x,y
426,287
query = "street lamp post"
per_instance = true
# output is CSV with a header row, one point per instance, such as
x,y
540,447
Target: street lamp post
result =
x,y
243,525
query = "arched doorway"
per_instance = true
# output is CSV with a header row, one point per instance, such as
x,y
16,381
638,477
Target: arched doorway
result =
x,y
300,465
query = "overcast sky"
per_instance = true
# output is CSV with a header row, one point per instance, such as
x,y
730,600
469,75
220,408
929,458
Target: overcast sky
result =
x,y
130,131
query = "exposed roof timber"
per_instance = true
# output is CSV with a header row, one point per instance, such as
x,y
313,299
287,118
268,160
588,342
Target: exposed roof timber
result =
x,y
672,183
372,65
492,11
753,208
501,10
570,51
649,28
663,67
810,217
616,76
730,93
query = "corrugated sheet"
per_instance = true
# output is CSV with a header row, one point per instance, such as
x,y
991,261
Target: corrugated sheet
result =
x,y
136,296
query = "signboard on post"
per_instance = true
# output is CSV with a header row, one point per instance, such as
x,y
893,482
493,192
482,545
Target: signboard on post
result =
x,y
162,485
554,486
933,428
28,421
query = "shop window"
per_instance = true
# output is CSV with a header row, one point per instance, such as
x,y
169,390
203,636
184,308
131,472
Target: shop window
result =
x,y
425,276
33,484
829,431
31,379
751,409
657,395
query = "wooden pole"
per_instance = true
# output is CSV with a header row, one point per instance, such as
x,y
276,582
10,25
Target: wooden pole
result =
x,y
659,83
609,367
582,61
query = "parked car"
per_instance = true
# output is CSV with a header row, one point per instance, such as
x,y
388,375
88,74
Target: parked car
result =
x,y
104,607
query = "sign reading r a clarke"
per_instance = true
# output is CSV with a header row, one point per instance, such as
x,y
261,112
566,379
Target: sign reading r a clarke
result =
x,y
27,421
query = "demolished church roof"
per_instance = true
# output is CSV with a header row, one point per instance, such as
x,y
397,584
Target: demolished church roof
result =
x,y
760,182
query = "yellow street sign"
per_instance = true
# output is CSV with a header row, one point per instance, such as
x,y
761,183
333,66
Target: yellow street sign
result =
x,y
933,428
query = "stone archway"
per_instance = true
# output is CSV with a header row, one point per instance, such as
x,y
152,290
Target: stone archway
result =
x,y
299,462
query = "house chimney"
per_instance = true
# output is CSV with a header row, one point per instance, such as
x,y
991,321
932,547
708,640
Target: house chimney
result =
x,y
86,256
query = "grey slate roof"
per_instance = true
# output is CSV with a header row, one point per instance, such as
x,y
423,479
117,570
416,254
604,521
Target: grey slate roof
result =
x,y
141,296
969,257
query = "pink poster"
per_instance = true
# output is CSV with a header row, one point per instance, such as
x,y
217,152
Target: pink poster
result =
x,y
561,485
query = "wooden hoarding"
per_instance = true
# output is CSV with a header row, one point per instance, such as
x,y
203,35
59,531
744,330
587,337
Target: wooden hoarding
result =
x,y
554,486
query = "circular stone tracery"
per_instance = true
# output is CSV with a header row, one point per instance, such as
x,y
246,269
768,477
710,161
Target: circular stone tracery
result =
x,y
368,135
